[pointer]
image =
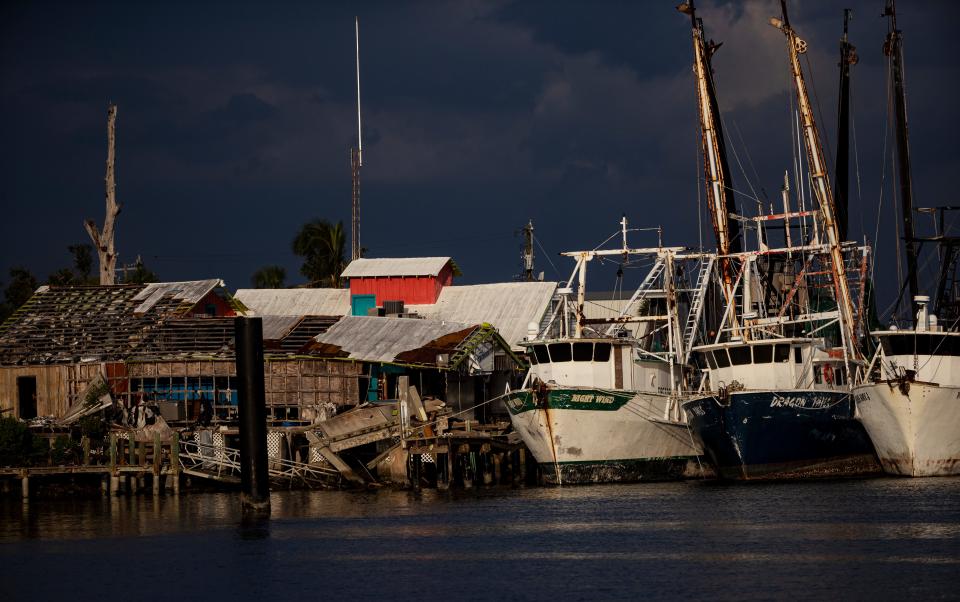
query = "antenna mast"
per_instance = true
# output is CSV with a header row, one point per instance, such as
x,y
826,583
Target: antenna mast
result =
x,y
893,48
720,201
528,252
848,57
819,181
356,160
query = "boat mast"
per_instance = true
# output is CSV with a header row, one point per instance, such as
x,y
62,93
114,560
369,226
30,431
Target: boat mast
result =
x,y
820,182
720,201
893,48
356,161
848,57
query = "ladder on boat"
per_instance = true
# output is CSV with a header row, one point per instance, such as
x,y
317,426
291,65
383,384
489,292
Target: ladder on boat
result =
x,y
645,287
696,307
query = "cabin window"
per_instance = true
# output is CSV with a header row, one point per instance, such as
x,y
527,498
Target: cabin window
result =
x,y
740,356
721,359
710,361
582,352
532,357
560,352
601,352
762,354
817,375
540,351
781,353
840,376
797,355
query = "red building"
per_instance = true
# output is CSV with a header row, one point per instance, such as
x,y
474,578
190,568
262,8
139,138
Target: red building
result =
x,y
413,280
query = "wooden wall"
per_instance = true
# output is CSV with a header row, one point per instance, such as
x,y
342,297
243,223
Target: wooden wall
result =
x,y
53,388
288,382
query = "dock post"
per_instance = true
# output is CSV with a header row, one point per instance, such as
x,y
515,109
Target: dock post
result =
x,y
255,486
496,468
157,463
175,463
523,465
85,442
132,448
25,484
451,470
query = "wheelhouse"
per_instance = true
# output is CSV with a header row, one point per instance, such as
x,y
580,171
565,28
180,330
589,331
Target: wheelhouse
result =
x,y
796,363
602,362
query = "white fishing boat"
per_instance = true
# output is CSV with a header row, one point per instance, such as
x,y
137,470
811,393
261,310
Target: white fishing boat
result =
x,y
601,405
911,404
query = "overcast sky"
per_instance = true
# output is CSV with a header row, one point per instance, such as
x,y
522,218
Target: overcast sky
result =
x,y
236,119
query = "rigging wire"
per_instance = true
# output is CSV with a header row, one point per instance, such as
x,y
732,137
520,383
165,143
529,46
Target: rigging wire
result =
x,y
736,156
547,255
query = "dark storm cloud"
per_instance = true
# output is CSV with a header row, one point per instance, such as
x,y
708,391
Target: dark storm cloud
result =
x,y
236,119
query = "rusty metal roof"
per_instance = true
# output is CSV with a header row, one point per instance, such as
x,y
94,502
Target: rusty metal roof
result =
x,y
395,267
375,339
76,323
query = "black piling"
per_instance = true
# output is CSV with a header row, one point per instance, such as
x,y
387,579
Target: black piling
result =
x,y
254,476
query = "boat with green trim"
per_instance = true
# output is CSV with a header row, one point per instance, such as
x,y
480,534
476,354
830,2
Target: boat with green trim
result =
x,y
601,403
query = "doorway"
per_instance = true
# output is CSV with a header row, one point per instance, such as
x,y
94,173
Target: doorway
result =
x,y
27,396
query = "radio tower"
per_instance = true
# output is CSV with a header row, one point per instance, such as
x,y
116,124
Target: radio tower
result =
x,y
356,161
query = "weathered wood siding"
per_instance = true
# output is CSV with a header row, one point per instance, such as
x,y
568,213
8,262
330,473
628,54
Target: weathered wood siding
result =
x,y
307,382
53,388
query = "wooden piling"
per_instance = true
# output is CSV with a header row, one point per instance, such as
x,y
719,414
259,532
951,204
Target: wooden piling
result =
x,y
254,477
132,447
25,484
85,442
157,463
175,463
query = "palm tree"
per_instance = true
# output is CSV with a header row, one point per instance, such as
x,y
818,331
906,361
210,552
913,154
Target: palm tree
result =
x,y
271,276
322,246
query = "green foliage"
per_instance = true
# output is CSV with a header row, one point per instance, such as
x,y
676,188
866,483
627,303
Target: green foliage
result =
x,y
140,275
271,276
66,451
82,261
79,273
94,427
322,246
21,287
18,446
96,391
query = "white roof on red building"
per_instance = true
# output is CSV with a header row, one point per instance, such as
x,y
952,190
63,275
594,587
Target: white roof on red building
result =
x,y
395,267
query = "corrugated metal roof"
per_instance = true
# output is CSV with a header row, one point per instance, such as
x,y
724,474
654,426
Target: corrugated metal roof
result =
x,y
508,306
189,292
296,301
67,323
375,339
395,266
275,327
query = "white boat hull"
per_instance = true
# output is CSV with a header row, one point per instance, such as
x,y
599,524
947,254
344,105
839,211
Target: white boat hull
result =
x,y
915,427
627,440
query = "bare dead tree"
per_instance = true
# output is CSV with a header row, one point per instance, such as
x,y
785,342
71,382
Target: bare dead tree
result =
x,y
103,240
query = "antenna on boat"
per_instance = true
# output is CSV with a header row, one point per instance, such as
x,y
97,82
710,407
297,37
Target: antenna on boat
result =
x,y
356,160
848,57
820,183
893,48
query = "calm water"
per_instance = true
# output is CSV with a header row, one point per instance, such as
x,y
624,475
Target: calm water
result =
x,y
864,539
